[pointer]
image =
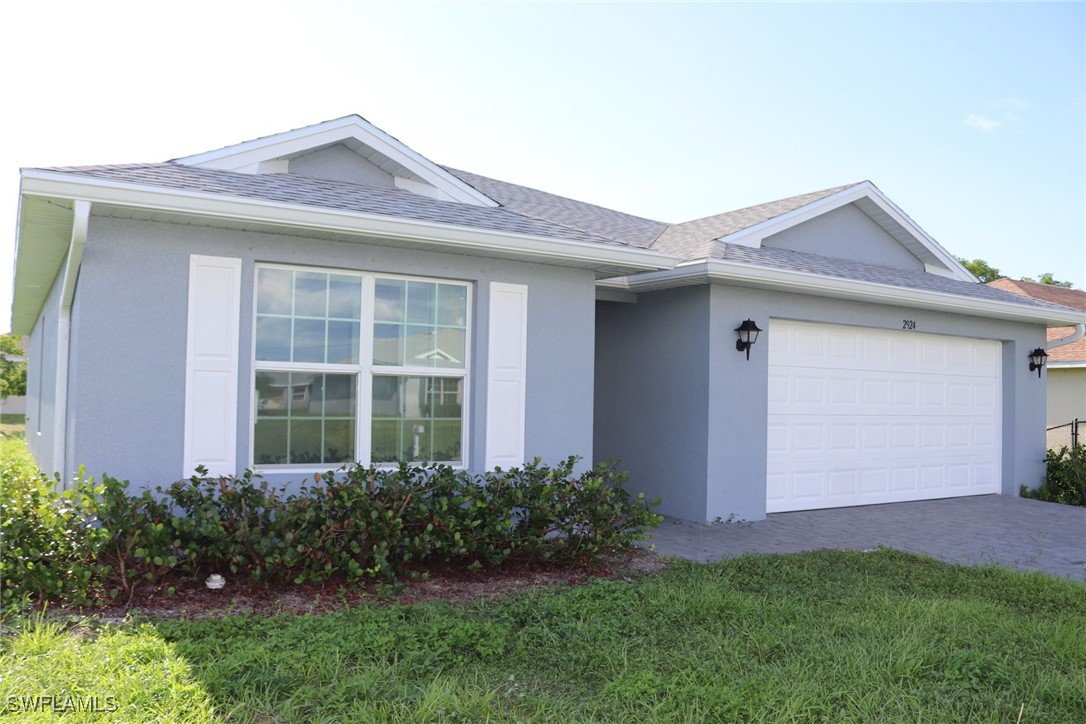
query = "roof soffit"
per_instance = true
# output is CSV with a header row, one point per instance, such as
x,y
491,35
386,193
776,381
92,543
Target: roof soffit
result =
x,y
868,199
357,134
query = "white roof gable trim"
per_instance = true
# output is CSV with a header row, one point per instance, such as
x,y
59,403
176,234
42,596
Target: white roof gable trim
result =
x,y
879,209
263,155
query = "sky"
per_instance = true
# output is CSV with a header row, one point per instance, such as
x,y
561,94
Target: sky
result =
x,y
969,116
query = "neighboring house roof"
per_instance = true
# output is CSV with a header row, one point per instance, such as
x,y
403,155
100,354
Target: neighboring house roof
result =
x,y
1073,354
251,186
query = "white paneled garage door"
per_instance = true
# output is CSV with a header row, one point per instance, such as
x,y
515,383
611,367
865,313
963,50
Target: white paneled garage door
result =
x,y
860,416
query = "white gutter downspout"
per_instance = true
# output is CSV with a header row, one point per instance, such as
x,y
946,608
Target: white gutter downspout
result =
x,y
1079,333
80,222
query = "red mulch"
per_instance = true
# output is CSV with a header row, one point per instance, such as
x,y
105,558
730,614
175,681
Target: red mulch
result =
x,y
454,584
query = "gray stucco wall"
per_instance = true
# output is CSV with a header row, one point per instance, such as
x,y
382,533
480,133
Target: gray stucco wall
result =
x,y
131,341
339,163
652,385
729,471
41,380
846,233
1066,394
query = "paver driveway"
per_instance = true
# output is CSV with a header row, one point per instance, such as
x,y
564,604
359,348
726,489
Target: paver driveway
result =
x,y
1018,532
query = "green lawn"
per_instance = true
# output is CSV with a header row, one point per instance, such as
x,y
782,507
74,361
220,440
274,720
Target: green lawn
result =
x,y
825,636
12,425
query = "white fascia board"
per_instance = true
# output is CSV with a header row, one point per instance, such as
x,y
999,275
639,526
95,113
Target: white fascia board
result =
x,y
37,183
1071,365
752,236
816,284
246,157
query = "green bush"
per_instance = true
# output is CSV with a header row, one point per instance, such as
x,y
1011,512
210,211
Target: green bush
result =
x,y
46,549
356,521
1065,477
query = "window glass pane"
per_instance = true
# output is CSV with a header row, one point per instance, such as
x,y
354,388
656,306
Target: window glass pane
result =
x,y
310,294
338,441
452,305
270,442
421,302
343,342
273,338
389,300
344,296
339,395
446,440
417,419
273,291
272,393
419,346
385,441
451,348
309,340
306,394
304,418
388,344
305,441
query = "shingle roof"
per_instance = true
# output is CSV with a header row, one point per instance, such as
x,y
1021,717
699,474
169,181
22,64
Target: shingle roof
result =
x,y
528,211
1074,352
697,239
589,218
1048,292
340,195
790,260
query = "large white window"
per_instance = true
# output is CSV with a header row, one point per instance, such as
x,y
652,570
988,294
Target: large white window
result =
x,y
358,367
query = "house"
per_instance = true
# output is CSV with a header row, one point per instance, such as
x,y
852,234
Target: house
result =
x,y
327,294
1067,362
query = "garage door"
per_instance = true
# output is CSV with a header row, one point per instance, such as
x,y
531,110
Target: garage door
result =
x,y
860,416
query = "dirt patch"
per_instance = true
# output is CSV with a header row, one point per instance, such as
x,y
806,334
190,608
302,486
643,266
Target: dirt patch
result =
x,y
191,599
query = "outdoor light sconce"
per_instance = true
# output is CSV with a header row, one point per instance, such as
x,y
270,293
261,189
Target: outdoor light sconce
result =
x,y
1037,359
748,335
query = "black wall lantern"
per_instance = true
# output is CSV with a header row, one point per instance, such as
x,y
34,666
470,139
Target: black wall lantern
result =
x,y
1037,359
748,335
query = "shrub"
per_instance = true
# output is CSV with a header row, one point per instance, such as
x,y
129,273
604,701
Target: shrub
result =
x,y
356,521
1065,477
47,551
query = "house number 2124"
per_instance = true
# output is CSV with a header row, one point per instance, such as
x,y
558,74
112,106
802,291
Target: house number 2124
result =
x,y
908,324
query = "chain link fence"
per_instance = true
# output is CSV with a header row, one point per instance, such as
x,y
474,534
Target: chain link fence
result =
x,y
1062,436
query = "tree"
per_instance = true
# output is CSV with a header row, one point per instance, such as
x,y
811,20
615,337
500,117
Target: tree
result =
x,y
981,269
1047,278
12,367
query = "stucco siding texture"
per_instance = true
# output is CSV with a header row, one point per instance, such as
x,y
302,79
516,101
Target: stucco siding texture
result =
x,y
131,341
723,454
652,382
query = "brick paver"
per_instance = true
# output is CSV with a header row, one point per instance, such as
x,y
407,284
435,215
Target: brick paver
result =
x,y
1017,532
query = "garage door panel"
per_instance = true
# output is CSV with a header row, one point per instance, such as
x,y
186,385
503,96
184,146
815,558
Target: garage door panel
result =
x,y
862,416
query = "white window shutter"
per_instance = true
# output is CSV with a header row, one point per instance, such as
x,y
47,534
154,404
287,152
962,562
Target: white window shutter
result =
x,y
507,354
211,370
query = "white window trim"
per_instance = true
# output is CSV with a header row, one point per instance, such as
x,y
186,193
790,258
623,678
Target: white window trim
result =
x,y
365,370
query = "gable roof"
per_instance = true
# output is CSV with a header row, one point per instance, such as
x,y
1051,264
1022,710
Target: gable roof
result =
x,y
700,238
356,133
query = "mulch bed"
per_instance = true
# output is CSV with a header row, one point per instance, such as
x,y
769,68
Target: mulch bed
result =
x,y
191,599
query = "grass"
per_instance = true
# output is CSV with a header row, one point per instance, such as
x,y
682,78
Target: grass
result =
x,y
840,636
12,425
